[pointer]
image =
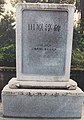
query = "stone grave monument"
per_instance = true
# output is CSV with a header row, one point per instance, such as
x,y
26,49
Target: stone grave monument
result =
x,y
43,88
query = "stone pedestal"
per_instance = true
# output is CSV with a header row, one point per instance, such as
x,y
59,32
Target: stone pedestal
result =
x,y
42,103
42,88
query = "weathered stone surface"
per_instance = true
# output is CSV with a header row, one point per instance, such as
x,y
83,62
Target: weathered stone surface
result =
x,y
7,118
44,41
42,103
14,84
43,48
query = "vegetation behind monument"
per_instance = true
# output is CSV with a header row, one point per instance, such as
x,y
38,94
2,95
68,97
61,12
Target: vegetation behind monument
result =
x,y
7,40
7,35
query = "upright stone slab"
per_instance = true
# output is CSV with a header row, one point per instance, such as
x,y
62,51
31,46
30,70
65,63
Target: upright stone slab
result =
x,y
42,88
44,41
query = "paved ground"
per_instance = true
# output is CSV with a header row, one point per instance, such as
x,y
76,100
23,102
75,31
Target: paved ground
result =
x,y
3,118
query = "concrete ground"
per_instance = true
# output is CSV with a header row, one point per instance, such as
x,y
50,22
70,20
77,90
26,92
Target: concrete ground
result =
x,y
4,118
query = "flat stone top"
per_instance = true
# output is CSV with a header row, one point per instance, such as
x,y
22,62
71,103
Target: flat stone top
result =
x,y
44,5
42,92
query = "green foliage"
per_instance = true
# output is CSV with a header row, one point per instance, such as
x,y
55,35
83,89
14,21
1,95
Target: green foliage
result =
x,y
7,41
7,31
7,55
78,38
78,58
78,48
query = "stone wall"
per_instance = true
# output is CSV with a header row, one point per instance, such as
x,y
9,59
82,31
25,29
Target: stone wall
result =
x,y
6,73
78,76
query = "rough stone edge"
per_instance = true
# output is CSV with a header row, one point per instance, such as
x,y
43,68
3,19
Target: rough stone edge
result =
x,y
41,92
45,5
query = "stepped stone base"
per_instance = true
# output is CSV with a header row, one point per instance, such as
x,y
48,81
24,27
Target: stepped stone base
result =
x,y
42,103
14,84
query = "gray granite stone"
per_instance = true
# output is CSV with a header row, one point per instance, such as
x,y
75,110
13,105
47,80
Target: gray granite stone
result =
x,y
44,41
13,118
41,103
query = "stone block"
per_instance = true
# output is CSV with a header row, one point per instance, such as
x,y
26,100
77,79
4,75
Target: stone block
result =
x,y
42,103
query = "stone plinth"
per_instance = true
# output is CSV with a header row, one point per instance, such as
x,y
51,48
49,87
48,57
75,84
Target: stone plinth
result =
x,y
42,103
15,83
7,118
